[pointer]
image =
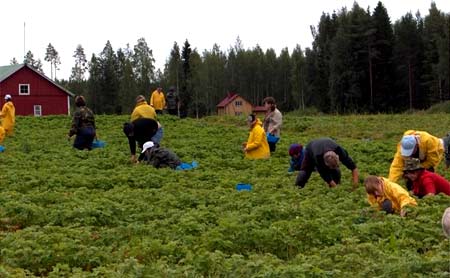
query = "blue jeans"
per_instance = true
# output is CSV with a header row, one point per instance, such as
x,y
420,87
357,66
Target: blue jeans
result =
x,y
85,137
158,136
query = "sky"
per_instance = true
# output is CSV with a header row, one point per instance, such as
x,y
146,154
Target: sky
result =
x,y
268,23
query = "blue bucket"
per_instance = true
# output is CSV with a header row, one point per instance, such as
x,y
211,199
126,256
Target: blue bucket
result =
x,y
98,144
272,138
243,187
2,149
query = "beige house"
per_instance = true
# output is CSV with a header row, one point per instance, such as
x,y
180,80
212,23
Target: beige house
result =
x,y
234,105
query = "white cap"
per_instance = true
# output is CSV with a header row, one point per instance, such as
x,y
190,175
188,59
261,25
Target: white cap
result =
x,y
147,145
7,96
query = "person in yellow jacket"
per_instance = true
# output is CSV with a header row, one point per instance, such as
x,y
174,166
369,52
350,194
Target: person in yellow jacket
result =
x,y
387,195
8,115
256,146
2,134
417,144
142,110
158,100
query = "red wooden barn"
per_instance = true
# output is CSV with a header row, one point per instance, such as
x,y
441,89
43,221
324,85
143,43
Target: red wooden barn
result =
x,y
32,92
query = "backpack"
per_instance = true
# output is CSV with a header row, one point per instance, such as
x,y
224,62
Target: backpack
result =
x,y
172,100
161,157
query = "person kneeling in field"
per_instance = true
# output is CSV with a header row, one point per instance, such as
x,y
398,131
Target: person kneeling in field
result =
x,y
83,125
324,155
297,153
141,131
387,195
159,157
427,148
256,146
424,182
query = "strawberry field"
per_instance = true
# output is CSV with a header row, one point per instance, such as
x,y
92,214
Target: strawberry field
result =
x,y
69,213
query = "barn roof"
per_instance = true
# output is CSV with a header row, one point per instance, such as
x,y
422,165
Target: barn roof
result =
x,y
229,98
7,71
259,109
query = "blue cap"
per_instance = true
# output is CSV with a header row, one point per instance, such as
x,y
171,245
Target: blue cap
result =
x,y
408,145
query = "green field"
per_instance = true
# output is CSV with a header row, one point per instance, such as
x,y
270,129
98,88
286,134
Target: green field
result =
x,y
69,213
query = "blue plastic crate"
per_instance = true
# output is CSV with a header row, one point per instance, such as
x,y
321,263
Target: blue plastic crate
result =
x,y
243,187
98,144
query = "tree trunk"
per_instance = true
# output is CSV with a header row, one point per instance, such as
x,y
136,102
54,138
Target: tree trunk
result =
x,y
370,78
410,81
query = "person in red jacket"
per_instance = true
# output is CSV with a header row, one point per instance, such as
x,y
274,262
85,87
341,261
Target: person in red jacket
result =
x,y
424,182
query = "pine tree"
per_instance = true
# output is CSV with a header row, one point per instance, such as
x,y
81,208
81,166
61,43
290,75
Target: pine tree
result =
x,y
435,37
297,78
143,66
380,48
35,64
186,90
81,65
173,69
407,56
52,56
127,88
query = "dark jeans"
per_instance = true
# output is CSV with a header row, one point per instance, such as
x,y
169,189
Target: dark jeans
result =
x,y
272,147
387,206
85,137
303,176
173,111
159,112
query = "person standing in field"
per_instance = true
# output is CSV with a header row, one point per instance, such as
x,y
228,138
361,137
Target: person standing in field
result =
x,y
427,148
387,195
256,146
158,101
324,154
8,116
172,101
83,125
424,182
142,127
272,120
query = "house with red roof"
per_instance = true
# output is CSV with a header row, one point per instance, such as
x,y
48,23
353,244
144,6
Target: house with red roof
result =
x,y
32,92
234,105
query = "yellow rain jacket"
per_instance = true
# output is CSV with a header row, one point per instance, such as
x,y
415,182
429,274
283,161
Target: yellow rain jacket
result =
x,y
257,146
431,152
393,192
143,110
2,134
8,116
157,100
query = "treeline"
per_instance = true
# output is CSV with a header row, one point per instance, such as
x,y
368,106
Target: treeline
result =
x,y
359,62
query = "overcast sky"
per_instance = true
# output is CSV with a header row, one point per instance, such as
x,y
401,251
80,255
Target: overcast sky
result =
x,y
271,24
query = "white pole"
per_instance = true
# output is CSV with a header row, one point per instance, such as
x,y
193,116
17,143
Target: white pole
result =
x,y
24,40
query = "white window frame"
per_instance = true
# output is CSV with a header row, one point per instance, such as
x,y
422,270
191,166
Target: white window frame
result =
x,y
36,108
238,103
28,89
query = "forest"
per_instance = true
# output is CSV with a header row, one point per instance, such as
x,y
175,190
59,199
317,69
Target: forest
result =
x,y
359,62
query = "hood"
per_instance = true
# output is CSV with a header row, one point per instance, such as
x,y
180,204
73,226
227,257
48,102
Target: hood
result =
x,y
258,122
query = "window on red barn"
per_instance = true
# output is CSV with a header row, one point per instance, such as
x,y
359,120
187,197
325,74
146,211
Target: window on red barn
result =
x,y
24,89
